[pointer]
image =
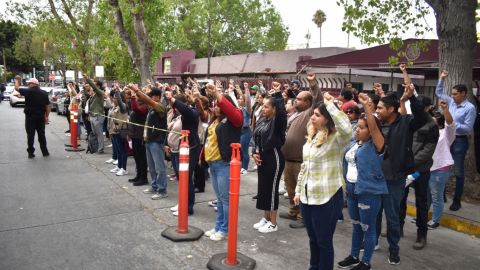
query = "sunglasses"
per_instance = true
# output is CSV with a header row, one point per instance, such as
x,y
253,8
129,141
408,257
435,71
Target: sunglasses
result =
x,y
349,112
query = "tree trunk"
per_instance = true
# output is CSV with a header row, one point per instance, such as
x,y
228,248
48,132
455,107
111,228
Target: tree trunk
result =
x,y
145,48
320,36
456,48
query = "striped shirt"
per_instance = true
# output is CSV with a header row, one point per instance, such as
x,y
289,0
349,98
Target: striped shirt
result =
x,y
321,175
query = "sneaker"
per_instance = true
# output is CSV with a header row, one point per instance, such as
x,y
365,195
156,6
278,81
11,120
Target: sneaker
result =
x,y
210,232
218,236
212,203
243,171
432,225
420,243
394,259
149,191
215,208
122,172
268,227
160,195
31,155
297,224
259,224
115,170
362,266
348,262
110,160
285,195
174,209
175,213
115,162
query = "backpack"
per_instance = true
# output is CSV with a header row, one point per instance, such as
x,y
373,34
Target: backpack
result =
x,y
92,143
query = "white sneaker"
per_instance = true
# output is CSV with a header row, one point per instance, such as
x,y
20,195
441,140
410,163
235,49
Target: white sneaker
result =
x,y
259,224
218,236
174,209
243,171
115,162
268,227
285,195
149,191
110,161
114,170
210,232
122,172
215,208
175,213
212,203
159,196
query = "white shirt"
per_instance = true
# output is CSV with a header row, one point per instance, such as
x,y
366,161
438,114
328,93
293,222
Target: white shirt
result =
x,y
352,173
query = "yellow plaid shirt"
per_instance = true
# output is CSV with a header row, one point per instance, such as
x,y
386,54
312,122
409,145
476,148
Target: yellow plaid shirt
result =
x,y
321,174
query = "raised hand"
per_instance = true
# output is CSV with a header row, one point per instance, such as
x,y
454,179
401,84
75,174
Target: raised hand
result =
x,y
245,85
444,104
211,89
403,67
363,98
327,98
444,74
311,76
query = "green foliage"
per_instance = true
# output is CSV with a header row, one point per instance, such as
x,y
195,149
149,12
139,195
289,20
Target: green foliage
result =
x,y
237,26
383,21
319,18
10,32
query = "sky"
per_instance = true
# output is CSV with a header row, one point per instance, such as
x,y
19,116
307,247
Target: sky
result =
x,y
298,15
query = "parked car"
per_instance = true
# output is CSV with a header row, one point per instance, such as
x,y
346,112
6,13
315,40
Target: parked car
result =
x,y
54,95
61,106
8,92
17,100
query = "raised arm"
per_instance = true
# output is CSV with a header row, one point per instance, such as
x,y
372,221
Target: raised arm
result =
x,y
406,78
138,108
342,123
315,89
121,104
94,86
440,91
375,131
232,113
147,100
449,123
247,98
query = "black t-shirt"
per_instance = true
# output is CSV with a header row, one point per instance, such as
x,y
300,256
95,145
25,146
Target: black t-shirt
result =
x,y
36,101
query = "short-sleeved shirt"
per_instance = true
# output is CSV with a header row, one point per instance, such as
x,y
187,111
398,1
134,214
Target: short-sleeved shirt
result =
x,y
212,152
36,101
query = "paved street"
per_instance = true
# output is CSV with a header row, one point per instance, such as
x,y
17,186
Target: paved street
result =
x,y
68,211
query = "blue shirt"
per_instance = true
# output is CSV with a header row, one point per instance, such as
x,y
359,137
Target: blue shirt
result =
x,y
463,114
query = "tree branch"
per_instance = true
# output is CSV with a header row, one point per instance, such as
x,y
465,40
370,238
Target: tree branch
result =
x,y
72,19
122,32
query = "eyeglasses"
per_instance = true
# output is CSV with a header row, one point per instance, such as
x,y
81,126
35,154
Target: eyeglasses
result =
x,y
349,112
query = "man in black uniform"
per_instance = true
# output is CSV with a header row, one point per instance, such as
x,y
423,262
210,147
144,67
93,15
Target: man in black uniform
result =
x,y
37,109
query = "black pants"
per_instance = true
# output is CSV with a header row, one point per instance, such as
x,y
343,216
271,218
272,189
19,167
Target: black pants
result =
x,y
32,124
421,193
200,174
140,157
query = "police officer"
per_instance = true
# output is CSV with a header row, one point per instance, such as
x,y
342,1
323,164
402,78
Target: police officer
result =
x,y
37,109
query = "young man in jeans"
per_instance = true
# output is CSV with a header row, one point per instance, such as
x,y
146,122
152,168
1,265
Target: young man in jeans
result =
x,y
398,163
464,114
95,110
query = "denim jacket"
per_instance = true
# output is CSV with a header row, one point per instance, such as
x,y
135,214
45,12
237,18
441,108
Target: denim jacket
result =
x,y
370,178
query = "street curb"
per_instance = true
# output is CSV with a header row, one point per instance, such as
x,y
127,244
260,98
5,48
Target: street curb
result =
x,y
452,222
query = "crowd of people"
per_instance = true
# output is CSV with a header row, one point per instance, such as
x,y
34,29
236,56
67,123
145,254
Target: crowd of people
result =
x,y
362,149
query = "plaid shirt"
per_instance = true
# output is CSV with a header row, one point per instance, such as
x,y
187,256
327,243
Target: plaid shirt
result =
x,y
321,175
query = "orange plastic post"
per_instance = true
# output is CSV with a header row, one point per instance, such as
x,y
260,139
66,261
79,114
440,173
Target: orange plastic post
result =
x,y
183,172
235,165
74,126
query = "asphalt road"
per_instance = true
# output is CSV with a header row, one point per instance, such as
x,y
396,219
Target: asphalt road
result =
x,y
67,211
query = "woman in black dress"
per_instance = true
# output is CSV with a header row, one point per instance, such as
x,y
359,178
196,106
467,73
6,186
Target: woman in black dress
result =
x,y
269,137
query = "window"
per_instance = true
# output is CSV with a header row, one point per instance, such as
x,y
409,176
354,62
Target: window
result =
x,y
167,64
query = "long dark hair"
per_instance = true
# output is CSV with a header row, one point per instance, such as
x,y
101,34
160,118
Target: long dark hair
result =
x,y
323,111
215,117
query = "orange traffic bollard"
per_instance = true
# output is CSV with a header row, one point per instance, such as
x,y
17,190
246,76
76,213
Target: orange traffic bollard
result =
x,y
73,146
183,183
232,259
183,232
235,166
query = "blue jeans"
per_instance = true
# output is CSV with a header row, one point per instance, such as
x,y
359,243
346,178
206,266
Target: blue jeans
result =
x,y
96,123
118,145
220,174
174,159
363,210
437,182
459,151
321,221
156,166
245,141
391,203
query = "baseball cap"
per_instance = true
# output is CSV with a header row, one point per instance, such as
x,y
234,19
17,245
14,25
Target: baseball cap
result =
x,y
255,87
296,82
33,80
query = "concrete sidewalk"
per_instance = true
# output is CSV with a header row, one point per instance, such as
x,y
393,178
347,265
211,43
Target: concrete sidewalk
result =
x,y
465,220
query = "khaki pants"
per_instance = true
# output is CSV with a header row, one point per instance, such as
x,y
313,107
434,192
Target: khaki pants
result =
x,y
292,169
